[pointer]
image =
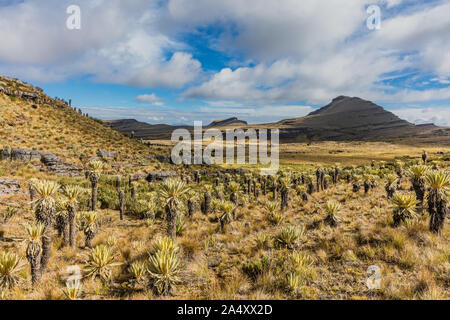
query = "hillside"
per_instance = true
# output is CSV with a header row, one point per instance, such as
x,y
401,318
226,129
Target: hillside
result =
x,y
31,119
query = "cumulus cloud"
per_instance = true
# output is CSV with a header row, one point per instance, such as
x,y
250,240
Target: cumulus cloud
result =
x,y
439,116
150,98
119,42
341,58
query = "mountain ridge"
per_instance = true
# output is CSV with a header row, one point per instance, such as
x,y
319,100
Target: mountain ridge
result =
x,y
343,119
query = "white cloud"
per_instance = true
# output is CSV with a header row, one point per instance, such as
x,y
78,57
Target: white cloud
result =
x,y
436,115
119,42
150,98
342,58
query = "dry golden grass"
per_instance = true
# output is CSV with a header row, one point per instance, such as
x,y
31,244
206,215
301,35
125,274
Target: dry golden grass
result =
x,y
414,262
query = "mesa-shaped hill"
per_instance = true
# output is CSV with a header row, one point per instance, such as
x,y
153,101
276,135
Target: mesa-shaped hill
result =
x,y
30,119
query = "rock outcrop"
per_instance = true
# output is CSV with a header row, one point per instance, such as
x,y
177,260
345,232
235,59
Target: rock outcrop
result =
x,y
51,162
9,187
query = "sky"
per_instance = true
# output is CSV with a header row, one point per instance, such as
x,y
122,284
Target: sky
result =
x,y
179,61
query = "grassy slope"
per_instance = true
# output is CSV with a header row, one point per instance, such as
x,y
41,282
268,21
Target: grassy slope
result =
x,y
62,131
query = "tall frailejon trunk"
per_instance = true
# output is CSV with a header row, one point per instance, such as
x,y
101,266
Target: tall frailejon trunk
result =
x,y
234,198
206,203
399,172
390,190
398,217
32,197
171,216
133,192
255,192
190,205
34,258
419,189
72,226
46,216
366,186
61,225
325,184
121,203
274,190
249,186
46,247
311,188
437,207
88,239
264,186
284,198
65,234
94,183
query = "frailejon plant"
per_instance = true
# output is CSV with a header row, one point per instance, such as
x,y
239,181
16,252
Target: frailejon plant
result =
x,y
45,210
62,219
439,182
90,227
95,170
390,185
100,263
274,216
9,266
226,209
72,193
165,244
137,271
417,175
172,192
34,250
289,236
404,207
331,209
164,265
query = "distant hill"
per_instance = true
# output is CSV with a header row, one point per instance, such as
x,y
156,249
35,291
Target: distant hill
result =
x,y
143,130
234,122
343,119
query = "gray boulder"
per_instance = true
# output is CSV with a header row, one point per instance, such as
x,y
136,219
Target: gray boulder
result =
x,y
104,154
8,187
160,175
25,154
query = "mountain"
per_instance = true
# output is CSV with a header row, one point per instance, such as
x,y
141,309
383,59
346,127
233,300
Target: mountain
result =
x,y
30,119
234,122
143,130
343,119
348,118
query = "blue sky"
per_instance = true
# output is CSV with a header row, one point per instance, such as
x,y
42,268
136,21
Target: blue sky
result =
x,y
176,61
